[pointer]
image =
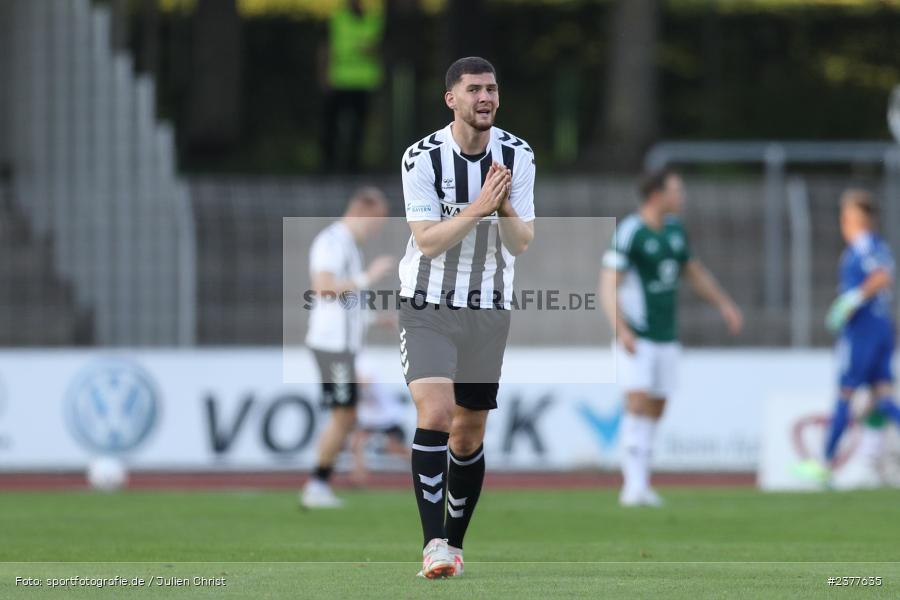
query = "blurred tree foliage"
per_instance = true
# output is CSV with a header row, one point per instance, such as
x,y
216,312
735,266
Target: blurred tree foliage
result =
x,y
725,69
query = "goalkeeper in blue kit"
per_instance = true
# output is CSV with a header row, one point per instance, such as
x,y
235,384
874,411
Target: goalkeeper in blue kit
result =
x,y
860,317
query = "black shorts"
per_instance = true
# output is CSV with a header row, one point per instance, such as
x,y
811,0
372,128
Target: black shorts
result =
x,y
338,373
465,345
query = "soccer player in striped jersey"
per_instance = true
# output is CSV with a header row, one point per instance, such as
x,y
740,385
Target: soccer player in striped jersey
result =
x,y
639,293
469,194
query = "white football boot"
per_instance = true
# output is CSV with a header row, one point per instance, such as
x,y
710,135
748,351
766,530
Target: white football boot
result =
x,y
317,494
651,498
437,562
629,498
646,497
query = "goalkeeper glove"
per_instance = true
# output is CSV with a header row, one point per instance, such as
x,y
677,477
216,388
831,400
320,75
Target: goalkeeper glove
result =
x,y
842,309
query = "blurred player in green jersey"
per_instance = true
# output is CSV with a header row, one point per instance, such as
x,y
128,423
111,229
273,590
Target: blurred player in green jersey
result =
x,y
639,292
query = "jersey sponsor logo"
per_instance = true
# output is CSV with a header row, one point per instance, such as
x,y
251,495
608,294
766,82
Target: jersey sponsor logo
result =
x,y
448,184
420,209
451,209
667,273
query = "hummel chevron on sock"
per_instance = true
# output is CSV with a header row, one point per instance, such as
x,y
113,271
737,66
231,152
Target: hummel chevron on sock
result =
x,y
429,470
465,477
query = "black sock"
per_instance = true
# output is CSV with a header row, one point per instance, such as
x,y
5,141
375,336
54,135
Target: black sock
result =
x,y
464,480
429,470
323,473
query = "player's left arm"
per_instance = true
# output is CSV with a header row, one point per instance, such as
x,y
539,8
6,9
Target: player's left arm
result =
x,y
879,267
706,286
877,281
516,212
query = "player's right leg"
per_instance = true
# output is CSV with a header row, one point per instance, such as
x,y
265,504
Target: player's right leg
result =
x,y
883,377
428,357
318,493
840,419
664,380
635,377
339,393
434,400
855,360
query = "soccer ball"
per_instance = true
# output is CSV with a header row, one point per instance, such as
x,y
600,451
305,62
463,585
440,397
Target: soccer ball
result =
x,y
107,474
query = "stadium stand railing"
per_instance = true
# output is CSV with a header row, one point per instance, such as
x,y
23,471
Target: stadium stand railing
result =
x,y
93,173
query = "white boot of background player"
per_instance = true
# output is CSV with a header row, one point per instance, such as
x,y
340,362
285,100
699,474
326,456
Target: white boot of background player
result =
x,y
318,494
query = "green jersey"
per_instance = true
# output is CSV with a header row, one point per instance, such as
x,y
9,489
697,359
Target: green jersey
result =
x,y
652,260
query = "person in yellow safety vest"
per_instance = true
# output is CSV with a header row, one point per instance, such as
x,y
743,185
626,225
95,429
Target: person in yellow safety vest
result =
x,y
352,70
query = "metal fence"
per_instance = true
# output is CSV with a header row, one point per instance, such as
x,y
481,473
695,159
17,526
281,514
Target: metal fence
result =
x,y
239,225
800,242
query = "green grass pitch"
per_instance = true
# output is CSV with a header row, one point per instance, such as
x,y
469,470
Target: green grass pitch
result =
x,y
546,544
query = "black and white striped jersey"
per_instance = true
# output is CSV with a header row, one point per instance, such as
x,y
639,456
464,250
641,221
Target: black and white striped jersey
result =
x,y
438,183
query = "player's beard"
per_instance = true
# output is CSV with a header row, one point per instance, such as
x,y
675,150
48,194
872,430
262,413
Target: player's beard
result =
x,y
472,120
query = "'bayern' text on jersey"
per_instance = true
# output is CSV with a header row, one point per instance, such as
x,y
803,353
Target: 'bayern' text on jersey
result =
x,y
652,261
439,181
868,253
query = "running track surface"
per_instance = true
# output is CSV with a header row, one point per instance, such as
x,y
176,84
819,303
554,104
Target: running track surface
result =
x,y
221,480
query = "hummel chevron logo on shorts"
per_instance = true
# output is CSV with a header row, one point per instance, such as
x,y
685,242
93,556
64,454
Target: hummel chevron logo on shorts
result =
x,y
404,361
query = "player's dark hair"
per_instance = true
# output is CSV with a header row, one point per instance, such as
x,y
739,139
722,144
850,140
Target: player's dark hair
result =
x,y
654,181
471,65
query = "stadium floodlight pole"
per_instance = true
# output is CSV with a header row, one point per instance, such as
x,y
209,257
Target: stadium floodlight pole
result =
x,y
800,262
892,172
775,159
893,114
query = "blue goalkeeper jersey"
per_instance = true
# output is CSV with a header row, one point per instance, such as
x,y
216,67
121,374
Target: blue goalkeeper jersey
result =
x,y
868,253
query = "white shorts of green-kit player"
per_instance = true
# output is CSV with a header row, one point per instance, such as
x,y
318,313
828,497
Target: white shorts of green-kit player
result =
x,y
652,369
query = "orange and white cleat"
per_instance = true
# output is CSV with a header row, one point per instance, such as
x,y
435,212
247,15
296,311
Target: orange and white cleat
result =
x,y
437,562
